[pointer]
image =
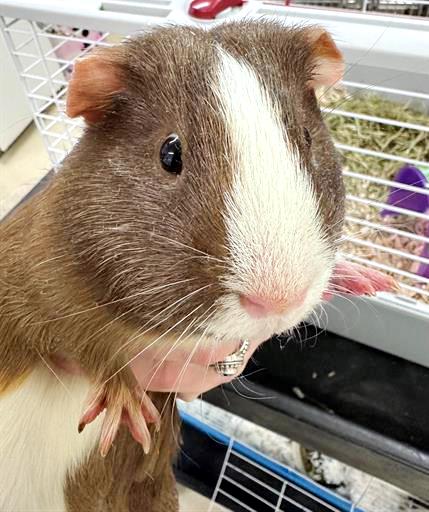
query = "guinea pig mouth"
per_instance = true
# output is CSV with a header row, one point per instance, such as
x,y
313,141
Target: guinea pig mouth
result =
x,y
225,330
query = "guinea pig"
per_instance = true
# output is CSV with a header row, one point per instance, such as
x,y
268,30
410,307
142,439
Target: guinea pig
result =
x,y
204,203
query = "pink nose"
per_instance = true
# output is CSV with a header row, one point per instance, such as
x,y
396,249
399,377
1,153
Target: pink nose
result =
x,y
259,307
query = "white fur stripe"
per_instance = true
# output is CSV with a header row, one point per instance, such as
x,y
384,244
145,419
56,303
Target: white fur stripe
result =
x,y
274,231
272,214
39,441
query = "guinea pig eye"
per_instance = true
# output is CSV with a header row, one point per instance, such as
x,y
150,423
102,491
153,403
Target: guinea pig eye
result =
x,y
307,137
171,154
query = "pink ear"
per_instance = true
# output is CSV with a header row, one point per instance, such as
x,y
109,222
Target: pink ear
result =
x,y
95,80
353,279
328,60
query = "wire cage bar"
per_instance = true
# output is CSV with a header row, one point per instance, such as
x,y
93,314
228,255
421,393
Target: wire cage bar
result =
x,y
397,7
248,462
251,481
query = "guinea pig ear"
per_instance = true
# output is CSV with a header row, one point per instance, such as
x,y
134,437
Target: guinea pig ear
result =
x,y
328,60
94,82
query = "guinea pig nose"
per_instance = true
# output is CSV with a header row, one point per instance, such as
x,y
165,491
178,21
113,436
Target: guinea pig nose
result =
x,y
259,307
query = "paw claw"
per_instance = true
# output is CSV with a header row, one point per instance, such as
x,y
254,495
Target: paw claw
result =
x,y
110,428
123,404
138,429
150,411
95,404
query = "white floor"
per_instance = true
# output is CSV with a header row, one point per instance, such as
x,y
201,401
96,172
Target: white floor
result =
x,y
21,167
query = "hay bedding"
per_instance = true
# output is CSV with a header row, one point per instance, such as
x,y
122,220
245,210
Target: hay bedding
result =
x,y
388,139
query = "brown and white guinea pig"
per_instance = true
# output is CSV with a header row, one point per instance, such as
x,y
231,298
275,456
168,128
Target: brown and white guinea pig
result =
x,y
204,203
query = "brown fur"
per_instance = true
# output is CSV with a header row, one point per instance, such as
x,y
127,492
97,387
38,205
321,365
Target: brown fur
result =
x,y
35,297
8,385
83,266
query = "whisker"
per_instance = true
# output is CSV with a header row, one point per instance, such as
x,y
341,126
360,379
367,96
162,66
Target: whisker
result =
x,y
243,379
179,379
140,333
181,374
176,393
177,344
177,303
208,366
55,375
150,344
181,244
363,494
98,306
351,66
313,337
359,91
202,256
239,393
253,372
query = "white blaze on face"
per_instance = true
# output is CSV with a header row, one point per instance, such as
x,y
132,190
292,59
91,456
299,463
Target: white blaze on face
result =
x,y
274,231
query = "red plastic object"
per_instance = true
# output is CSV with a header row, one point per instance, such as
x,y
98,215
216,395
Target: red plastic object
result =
x,y
209,9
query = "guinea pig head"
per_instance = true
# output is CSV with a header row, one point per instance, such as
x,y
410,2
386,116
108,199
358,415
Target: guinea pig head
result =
x,y
208,195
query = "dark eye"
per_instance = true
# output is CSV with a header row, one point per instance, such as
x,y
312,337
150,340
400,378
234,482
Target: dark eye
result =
x,y
307,137
171,154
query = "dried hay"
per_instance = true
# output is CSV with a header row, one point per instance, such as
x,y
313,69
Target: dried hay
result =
x,y
399,141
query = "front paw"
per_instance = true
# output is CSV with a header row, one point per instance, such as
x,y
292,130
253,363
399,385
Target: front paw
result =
x,y
124,402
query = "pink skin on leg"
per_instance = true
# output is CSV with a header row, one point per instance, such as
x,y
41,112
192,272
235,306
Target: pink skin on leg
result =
x,y
351,278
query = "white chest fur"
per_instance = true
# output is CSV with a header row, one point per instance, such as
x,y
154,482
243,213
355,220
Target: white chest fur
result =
x,y
39,441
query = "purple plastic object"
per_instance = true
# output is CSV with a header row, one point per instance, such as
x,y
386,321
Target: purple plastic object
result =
x,y
408,175
413,201
424,267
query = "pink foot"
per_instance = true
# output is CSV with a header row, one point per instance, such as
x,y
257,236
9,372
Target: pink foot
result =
x,y
122,404
351,278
